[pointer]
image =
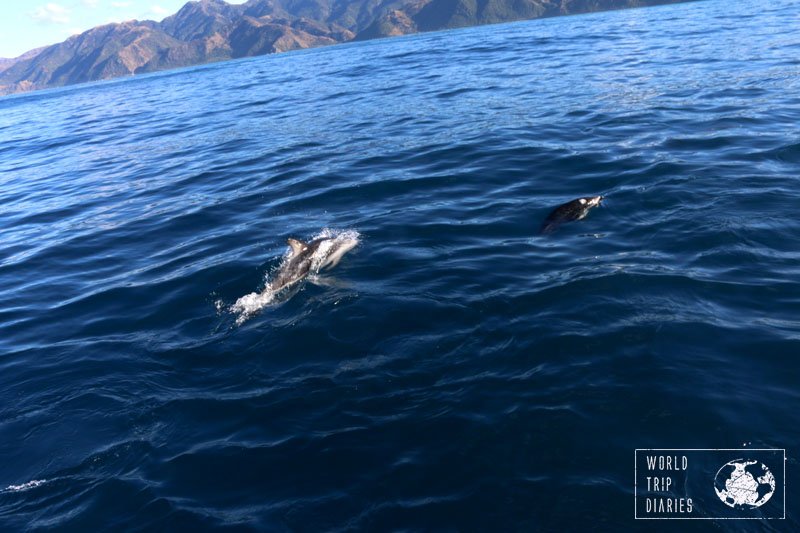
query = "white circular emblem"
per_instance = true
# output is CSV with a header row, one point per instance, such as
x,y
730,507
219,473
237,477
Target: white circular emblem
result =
x,y
743,484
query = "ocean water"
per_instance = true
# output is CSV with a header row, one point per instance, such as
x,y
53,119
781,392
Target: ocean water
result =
x,y
456,370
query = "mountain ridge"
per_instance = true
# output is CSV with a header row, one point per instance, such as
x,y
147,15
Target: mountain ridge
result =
x,y
212,30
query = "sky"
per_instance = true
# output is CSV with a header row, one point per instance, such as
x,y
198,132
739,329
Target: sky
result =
x,y
31,24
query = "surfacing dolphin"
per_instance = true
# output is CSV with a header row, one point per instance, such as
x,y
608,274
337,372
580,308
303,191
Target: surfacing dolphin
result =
x,y
573,210
310,257
302,260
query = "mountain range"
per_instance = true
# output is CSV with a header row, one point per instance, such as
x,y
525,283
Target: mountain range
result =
x,y
213,30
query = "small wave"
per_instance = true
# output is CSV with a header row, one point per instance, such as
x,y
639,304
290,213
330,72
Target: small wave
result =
x,y
25,486
326,255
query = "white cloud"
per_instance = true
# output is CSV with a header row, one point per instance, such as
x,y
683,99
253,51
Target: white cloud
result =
x,y
90,3
158,10
119,5
52,13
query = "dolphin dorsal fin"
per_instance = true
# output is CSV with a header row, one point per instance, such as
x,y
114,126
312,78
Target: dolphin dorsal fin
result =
x,y
297,246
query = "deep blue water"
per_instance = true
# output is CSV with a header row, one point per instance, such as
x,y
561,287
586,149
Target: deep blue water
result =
x,y
456,371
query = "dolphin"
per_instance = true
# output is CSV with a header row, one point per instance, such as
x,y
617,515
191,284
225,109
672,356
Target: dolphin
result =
x,y
306,258
573,210
303,259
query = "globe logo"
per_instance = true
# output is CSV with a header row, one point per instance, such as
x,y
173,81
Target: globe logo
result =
x,y
744,484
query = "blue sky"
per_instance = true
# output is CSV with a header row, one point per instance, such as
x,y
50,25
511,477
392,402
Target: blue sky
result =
x,y
27,25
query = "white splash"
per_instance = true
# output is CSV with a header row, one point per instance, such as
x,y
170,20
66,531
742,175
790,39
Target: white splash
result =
x,y
25,486
328,254
252,303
